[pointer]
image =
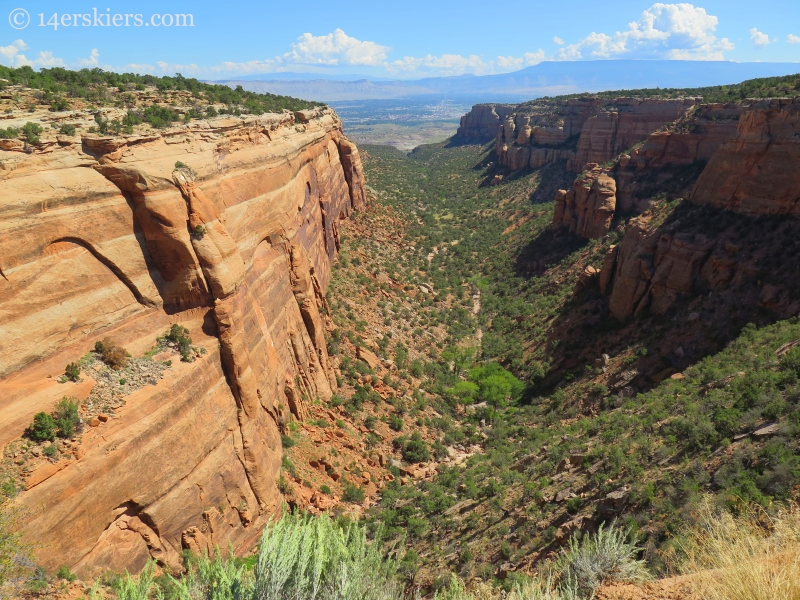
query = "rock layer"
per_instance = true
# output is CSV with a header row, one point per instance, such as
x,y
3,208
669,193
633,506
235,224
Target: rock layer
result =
x,y
755,172
579,130
226,226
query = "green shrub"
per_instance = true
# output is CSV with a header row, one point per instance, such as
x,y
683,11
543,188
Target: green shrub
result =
x,y
9,133
67,129
64,573
73,371
51,451
353,494
31,132
179,336
43,428
416,450
395,422
66,417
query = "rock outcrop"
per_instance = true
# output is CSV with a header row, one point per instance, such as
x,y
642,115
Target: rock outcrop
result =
x,y
667,164
480,124
226,226
755,172
579,130
588,208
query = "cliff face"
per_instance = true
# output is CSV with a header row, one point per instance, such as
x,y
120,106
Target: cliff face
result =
x,y
748,175
580,130
755,172
480,124
110,237
666,164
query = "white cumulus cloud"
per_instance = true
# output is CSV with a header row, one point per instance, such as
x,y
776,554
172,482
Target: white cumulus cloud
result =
x,y
793,39
336,48
557,40
759,38
671,31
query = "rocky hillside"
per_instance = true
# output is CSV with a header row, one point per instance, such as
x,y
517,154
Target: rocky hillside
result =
x,y
200,251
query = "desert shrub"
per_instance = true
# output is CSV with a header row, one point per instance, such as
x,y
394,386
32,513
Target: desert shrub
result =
x,y
10,133
31,132
353,494
606,556
51,451
454,590
140,588
67,129
113,355
64,573
66,417
43,428
15,556
73,371
749,555
301,556
395,422
179,336
415,450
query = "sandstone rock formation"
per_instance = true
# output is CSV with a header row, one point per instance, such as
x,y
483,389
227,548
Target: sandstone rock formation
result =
x,y
226,226
579,130
588,208
666,164
480,124
755,172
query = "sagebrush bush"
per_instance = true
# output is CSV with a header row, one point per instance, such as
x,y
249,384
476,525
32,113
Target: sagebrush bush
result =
x,y
300,557
606,556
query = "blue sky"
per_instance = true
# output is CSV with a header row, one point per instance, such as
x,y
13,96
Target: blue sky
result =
x,y
408,39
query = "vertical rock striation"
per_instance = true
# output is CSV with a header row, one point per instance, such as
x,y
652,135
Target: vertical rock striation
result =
x,y
226,226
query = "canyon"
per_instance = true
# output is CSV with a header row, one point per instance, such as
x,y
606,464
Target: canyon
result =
x,y
225,226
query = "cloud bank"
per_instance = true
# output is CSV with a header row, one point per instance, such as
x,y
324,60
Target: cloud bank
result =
x,y
679,31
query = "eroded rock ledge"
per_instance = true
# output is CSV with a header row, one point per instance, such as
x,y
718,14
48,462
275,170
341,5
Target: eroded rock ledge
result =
x,y
227,226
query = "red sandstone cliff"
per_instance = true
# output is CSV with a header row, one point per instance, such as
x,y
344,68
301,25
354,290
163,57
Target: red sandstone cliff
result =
x,y
96,239
755,171
579,130
749,172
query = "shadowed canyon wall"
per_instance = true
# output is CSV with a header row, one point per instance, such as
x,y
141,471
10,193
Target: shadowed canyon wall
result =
x,y
227,227
735,159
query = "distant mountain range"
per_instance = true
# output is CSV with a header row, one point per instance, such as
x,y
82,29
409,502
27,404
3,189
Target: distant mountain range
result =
x,y
545,79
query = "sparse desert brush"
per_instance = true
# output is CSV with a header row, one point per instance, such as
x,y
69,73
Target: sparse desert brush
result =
x,y
113,355
15,555
750,556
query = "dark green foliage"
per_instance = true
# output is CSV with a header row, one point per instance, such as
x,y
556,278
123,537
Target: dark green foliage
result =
x,y
415,450
43,428
67,129
395,422
66,417
353,494
73,371
31,132
179,336
9,133
64,573
90,84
